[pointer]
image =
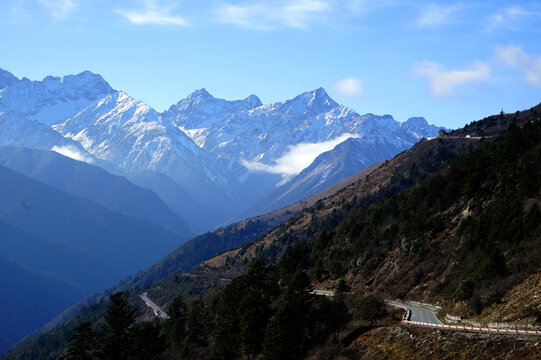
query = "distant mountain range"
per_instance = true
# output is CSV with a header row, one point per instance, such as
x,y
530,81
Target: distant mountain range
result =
x,y
220,158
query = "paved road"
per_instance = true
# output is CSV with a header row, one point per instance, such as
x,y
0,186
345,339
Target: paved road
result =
x,y
418,314
159,312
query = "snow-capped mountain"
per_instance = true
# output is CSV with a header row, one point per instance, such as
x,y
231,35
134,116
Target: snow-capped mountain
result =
x,y
132,137
53,99
225,155
265,133
7,79
200,109
419,127
310,141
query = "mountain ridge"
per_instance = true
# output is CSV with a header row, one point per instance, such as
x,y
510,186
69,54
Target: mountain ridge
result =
x,y
230,153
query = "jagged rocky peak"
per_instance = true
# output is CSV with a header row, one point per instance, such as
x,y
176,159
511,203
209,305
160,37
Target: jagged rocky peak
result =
x,y
254,101
200,109
201,93
321,95
373,122
419,127
122,105
7,79
417,121
316,101
110,112
88,84
53,99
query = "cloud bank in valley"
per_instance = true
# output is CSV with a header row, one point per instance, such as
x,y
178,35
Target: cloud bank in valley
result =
x,y
297,157
73,153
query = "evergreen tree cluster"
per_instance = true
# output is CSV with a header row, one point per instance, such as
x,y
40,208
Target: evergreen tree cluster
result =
x,y
118,337
257,316
253,316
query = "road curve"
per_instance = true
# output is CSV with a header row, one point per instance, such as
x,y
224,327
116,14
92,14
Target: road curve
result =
x,y
157,311
417,314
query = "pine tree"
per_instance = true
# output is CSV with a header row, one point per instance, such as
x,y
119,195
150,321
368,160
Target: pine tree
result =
x,y
370,308
255,314
196,329
342,287
227,344
287,336
243,313
146,342
82,343
175,326
119,316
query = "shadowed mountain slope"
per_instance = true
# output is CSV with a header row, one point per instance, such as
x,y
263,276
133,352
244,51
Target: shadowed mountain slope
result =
x,y
93,183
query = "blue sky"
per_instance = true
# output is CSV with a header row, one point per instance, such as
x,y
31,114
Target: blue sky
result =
x,y
451,62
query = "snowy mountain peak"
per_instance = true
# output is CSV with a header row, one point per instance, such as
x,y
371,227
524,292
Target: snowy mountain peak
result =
x,y
111,112
200,109
201,93
320,92
7,79
94,84
320,96
317,95
310,103
125,101
54,99
419,127
417,122
382,124
253,101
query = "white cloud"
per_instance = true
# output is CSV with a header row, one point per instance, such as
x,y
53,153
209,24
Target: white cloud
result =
x,y
266,15
442,82
298,157
59,8
516,58
349,86
154,14
72,152
512,18
434,15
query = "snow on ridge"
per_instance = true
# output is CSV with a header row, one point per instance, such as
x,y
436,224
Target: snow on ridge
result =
x,y
53,99
202,139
